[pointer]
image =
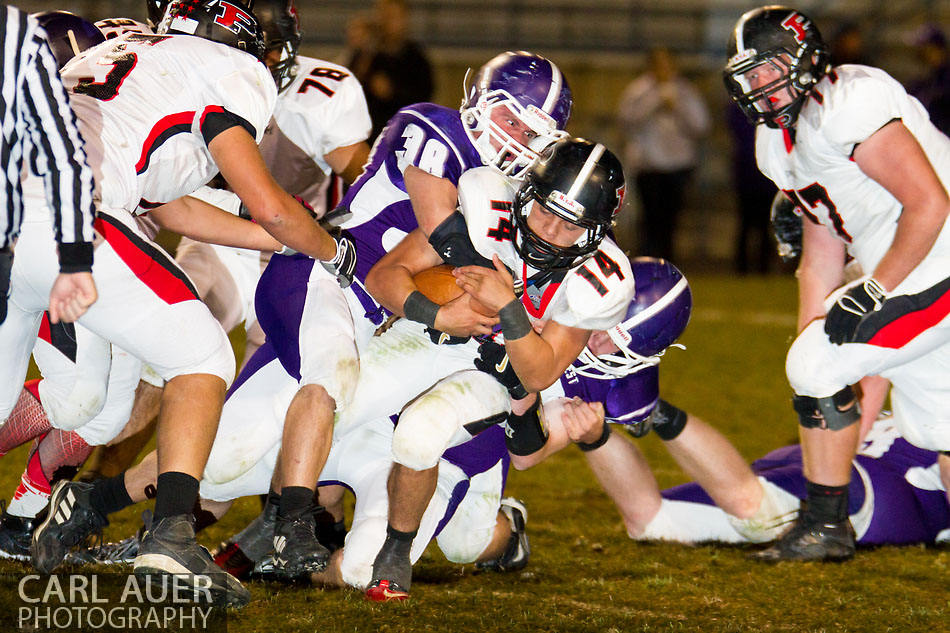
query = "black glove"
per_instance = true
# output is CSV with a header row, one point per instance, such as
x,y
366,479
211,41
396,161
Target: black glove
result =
x,y
493,360
787,227
344,262
851,309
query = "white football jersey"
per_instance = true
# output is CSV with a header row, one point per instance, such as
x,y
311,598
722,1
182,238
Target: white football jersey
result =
x,y
147,104
321,110
117,27
846,107
592,296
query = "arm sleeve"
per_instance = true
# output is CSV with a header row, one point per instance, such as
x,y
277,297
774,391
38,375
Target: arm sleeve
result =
x,y
60,158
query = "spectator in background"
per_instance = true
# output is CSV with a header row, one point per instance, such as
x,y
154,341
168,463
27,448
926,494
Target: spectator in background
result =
x,y
663,119
394,71
754,193
933,91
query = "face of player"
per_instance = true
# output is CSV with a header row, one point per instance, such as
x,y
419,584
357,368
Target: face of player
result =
x,y
507,122
551,228
600,344
764,75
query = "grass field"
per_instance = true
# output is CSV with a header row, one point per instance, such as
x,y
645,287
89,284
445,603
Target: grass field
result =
x,y
586,575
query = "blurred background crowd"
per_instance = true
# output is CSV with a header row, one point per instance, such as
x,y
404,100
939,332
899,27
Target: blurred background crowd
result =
x,y
646,81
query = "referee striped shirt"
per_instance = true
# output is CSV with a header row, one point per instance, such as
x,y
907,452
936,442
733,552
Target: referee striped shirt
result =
x,y
39,129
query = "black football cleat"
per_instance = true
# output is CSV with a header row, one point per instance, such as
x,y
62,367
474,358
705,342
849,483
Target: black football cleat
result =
x,y
296,548
169,549
70,518
16,533
811,540
516,554
392,572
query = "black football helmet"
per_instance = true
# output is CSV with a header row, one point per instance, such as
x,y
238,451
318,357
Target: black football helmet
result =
x,y
579,181
226,21
156,9
68,34
281,28
788,41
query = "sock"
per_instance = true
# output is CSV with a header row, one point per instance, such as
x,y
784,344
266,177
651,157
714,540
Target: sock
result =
x,y
62,453
32,494
27,420
176,494
295,501
109,495
827,504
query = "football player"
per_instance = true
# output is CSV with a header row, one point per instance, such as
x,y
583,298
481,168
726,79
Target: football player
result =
x,y
551,233
865,165
518,104
154,141
314,143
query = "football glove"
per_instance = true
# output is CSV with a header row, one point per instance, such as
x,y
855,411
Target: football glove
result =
x,y
786,223
493,360
343,263
852,308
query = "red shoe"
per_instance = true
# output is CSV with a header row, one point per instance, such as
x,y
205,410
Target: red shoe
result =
x,y
233,560
385,591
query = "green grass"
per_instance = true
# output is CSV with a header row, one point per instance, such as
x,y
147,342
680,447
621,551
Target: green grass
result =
x,y
586,575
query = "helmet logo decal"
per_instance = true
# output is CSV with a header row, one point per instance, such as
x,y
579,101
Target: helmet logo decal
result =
x,y
797,23
621,192
234,19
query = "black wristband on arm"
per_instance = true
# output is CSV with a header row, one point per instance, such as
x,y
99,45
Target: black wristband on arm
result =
x,y
75,257
420,308
526,434
514,320
600,441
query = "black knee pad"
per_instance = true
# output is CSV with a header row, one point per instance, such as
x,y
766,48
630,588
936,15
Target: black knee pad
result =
x,y
831,412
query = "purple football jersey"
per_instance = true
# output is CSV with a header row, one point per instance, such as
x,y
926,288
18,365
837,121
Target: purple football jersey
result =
x,y
627,400
424,135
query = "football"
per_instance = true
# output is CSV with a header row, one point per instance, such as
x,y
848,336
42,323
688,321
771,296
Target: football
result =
x,y
438,285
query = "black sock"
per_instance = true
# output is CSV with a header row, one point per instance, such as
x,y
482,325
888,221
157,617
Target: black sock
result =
x,y
295,501
109,495
399,542
203,518
177,493
827,504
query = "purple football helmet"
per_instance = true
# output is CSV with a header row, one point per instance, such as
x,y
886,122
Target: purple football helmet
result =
x,y
657,315
68,34
535,92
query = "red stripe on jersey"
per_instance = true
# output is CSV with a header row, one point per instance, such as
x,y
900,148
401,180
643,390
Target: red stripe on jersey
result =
x,y
208,110
904,329
163,130
146,262
545,298
789,144
45,334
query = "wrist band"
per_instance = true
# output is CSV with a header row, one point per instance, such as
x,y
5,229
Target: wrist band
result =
x,y
420,308
514,320
584,446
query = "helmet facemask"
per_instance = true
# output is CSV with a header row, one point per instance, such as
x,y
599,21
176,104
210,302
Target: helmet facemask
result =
x,y
496,148
278,20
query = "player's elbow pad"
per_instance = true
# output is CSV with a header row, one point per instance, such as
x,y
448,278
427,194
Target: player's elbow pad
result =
x,y
526,433
451,241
